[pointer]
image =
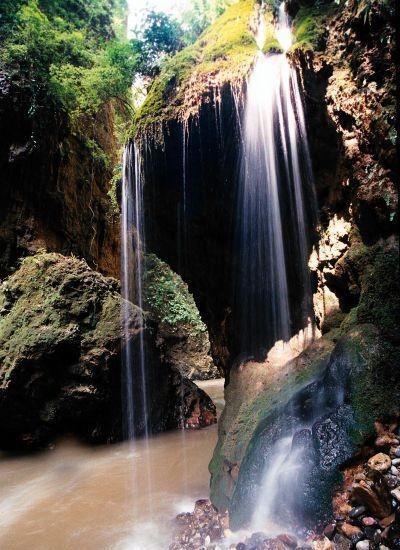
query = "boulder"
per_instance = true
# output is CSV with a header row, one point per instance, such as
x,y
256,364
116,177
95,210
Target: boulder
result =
x,y
181,334
60,359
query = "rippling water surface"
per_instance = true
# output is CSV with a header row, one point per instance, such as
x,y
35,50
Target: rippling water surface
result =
x,y
88,498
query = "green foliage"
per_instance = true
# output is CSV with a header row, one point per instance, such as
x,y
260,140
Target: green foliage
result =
x,y
64,53
168,297
200,15
225,50
158,35
310,27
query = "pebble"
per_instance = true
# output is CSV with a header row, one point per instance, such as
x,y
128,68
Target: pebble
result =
x,y
396,493
391,481
394,471
350,530
322,543
395,461
368,521
288,540
397,452
329,530
360,476
362,545
380,462
341,543
377,536
357,511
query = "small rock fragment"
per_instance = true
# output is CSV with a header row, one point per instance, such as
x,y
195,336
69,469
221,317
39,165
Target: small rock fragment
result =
x,y
341,542
350,530
396,493
368,521
288,540
380,463
322,543
329,530
387,521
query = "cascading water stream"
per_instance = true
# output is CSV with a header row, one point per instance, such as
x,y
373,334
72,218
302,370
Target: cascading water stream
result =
x,y
273,221
132,250
276,209
135,408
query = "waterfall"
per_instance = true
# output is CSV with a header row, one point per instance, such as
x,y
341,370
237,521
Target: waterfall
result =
x,y
272,216
135,418
277,206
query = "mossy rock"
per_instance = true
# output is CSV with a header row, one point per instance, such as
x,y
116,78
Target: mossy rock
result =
x,y
182,335
359,385
271,44
357,362
61,367
310,25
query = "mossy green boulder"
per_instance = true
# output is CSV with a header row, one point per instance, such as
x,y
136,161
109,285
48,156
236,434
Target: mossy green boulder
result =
x,y
60,359
181,333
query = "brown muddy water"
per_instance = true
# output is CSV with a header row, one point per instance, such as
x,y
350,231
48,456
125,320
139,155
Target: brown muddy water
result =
x,y
117,497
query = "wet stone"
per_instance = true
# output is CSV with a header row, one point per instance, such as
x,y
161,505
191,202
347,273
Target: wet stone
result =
x,y
330,530
288,540
363,545
396,494
380,462
368,521
357,512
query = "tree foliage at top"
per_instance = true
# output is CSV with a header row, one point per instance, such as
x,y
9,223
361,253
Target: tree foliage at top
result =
x,y
65,53
158,35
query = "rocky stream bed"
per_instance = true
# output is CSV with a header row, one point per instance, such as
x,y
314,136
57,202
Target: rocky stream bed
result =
x,y
366,511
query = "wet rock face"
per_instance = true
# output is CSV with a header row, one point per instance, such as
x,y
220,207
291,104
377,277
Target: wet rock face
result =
x,y
60,359
339,408
54,187
358,95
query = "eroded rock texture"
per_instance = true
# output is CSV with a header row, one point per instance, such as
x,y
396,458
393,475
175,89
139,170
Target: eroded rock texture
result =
x,y
55,183
60,359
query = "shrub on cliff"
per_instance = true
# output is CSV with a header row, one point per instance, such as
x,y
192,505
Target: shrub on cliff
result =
x,y
66,54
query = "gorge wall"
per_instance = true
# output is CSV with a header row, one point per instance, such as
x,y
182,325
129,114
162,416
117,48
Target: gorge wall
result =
x,y
55,183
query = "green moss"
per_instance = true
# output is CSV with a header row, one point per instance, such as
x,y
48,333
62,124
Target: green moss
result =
x,y
113,189
51,301
380,296
271,44
310,25
168,297
378,269
222,53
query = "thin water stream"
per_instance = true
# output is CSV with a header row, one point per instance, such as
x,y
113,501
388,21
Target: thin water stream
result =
x,y
97,498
